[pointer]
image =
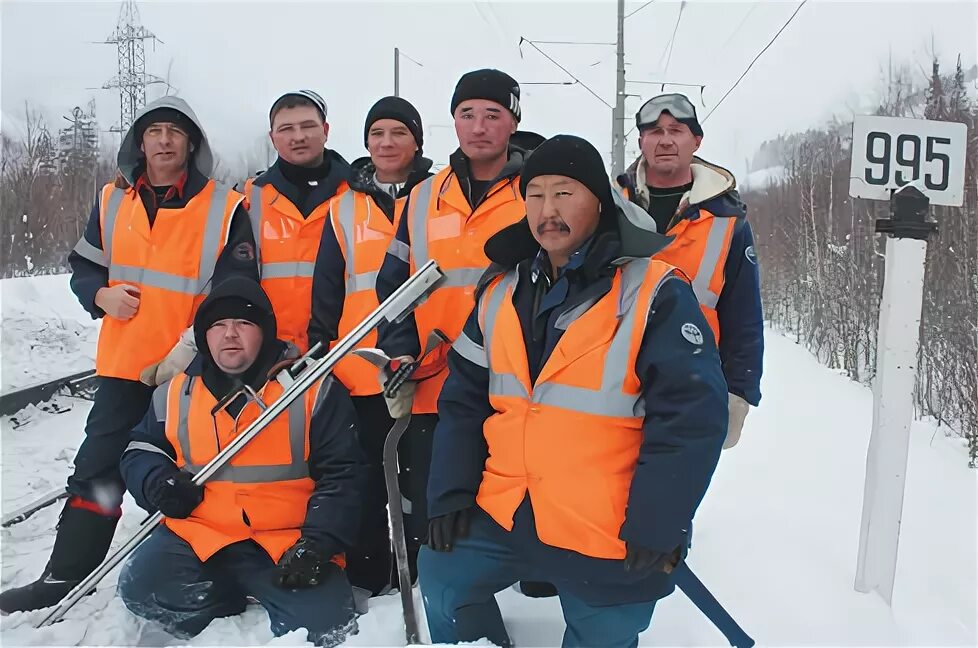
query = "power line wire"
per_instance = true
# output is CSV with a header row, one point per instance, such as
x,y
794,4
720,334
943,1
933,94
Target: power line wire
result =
x,y
543,42
759,54
584,85
629,15
736,31
675,30
688,85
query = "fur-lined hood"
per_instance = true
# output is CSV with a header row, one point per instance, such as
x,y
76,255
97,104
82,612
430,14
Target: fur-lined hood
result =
x,y
710,182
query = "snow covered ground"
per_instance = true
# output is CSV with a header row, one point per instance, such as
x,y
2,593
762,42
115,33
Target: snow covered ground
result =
x,y
775,539
45,332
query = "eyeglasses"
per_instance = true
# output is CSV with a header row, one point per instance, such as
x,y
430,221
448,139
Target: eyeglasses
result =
x,y
675,104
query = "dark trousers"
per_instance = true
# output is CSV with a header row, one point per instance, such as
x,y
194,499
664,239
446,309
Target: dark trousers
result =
x,y
164,581
370,564
416,453
119,405
459,590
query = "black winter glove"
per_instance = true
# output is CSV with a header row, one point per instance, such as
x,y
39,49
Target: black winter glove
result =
x,y
641,559
444,530
301,565
174,493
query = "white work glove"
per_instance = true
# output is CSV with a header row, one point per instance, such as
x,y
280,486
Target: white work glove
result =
x,y
738,408
400,405
176,361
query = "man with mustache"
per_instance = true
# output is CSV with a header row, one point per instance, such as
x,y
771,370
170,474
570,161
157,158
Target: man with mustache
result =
x,y
155,244
581,421
697,203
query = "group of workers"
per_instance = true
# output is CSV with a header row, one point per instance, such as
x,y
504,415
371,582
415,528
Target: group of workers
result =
x,y
605,343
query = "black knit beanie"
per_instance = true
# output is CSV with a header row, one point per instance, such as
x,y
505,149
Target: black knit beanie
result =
x,y
489,84
237,297
397,109
573,157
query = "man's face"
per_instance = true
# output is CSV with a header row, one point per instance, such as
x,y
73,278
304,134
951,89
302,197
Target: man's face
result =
x,y
668,146
562,213
167,148
391,146
299,135
234,344
483,128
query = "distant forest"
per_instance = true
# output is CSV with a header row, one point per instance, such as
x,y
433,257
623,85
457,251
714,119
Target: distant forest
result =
x,y
822,264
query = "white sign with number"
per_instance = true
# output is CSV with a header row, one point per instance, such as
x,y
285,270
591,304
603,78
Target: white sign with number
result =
x,y
889,152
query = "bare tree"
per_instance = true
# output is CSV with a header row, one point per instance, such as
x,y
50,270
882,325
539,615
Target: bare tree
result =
x,y
822,263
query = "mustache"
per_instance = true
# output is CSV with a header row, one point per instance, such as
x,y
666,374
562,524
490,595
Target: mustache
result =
x,y
559,224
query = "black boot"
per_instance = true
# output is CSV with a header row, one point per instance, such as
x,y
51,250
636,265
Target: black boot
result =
x,y
81,544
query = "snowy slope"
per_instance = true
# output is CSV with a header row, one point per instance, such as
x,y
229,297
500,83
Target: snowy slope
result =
x,y
761,178
775,539
45,333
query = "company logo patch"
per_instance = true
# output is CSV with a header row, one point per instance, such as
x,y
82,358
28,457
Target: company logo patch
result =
x,y
244,252
751,254
692,333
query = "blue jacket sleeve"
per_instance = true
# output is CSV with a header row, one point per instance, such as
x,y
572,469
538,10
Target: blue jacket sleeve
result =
x,y
237,258
328,290
89,267
149,451
459,449
337,466
741,317
401,338
685,420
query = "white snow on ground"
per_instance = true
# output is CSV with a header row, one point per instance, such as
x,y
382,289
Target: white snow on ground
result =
x,y
45,333
775,539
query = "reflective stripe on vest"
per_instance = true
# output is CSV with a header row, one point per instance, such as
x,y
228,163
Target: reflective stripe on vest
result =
x,y
418,222
420,195
355,282
609,399
712,254
88,251
278,269
287,269
110,212
298,469
209,252
254,213
468,349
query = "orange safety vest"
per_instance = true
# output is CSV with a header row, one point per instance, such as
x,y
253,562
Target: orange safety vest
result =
x,y
267,483
572,438
442,226
286,245
364,234
171,262
700,248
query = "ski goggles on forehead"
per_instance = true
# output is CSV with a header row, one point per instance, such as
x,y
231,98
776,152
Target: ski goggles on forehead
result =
x,y
676,105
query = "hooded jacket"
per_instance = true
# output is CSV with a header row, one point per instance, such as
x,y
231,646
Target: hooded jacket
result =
x,y
739,309
89,272
683,388
329,275
335,461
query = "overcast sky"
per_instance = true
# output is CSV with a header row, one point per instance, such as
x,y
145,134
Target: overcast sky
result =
x,y
230,60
